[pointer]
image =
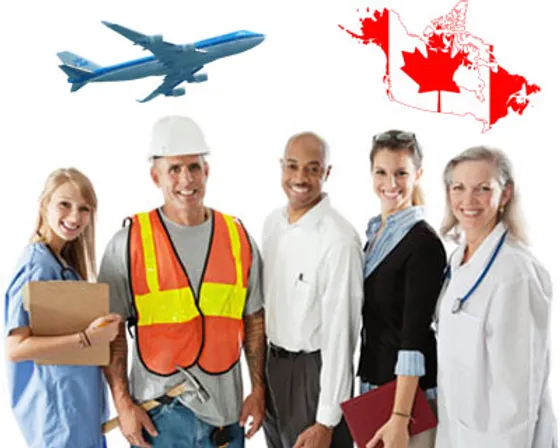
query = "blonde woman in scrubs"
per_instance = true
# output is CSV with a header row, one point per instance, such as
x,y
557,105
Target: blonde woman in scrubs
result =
x,y
57,406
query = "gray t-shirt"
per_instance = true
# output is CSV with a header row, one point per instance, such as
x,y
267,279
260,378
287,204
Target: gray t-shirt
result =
x,y
192,244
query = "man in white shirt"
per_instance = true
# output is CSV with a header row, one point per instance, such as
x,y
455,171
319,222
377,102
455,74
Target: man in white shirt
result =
x,y
313,285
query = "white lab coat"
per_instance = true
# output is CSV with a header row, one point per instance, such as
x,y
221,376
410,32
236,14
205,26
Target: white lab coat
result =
x,y
493,355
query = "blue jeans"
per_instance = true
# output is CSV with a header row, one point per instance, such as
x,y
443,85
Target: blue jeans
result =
x,y
179,427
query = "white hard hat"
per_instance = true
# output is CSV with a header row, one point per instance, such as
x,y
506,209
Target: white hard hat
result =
x,y
177,136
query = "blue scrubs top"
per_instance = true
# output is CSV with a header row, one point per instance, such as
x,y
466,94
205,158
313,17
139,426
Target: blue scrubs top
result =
x,y
55,406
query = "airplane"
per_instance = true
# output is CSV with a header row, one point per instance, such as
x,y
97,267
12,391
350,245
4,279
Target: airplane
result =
x,y
177,63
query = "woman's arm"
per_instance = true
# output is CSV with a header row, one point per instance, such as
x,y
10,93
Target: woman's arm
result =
x,y
394,433
404,396
21,345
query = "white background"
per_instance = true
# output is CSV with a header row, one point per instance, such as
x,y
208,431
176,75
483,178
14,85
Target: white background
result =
x,y
307,75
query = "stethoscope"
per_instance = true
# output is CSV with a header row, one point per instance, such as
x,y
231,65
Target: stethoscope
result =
x,y
66,272
460,301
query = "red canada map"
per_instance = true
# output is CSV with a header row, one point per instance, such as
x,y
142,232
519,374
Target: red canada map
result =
x,y
446,69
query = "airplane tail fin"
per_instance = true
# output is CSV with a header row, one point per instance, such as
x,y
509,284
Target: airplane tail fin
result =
x,y
77,86
74,72
74,60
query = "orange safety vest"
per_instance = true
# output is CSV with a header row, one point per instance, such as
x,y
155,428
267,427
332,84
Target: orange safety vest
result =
x,y
173,328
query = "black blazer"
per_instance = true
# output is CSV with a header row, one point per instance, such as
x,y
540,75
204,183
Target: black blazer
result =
x,y
400,297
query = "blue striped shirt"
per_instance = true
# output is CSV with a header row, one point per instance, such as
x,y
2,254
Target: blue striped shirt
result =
x,y
397,226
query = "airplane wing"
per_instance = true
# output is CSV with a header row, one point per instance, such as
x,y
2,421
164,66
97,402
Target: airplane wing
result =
x,y
168,84
172,80
164,51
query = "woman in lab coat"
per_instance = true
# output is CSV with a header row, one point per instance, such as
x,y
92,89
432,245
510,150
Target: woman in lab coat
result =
x,y
492,316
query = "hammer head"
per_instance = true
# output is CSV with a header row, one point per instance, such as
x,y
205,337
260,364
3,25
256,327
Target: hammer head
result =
x,y
201,393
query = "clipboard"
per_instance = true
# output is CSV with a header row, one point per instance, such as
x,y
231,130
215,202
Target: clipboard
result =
x,y
64,307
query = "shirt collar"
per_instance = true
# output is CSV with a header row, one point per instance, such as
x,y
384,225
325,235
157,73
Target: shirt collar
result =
x,y
64,267
482,254
401,217
170,223
312,216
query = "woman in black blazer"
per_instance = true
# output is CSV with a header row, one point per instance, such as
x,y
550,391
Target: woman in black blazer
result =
x,y
403,272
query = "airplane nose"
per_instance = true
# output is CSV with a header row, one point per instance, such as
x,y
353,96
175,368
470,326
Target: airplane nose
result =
x,y
255,37
258,39
254,40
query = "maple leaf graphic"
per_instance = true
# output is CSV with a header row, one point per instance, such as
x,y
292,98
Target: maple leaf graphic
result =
x,y
434,72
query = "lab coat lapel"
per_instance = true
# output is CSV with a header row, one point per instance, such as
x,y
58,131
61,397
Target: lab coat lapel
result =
x,y
481,257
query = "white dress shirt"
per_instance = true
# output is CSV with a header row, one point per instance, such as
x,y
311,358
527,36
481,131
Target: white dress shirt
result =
x,y
313,289
493,355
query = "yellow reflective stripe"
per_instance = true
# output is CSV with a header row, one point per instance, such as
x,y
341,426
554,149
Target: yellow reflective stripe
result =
x,y
166,307
235,249
177,305
223,300
150,261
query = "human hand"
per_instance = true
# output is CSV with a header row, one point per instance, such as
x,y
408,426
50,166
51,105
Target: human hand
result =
x,y
132,419
103,329
393,434
316,436
253,406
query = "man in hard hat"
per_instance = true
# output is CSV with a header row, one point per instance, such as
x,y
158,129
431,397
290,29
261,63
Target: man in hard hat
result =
x,y
313,288
187,278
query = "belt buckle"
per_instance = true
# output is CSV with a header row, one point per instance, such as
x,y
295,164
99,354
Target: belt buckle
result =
x,y
165,399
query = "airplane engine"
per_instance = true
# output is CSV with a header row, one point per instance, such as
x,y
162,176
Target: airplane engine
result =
x,y
187,48
155,39
200,77
176,92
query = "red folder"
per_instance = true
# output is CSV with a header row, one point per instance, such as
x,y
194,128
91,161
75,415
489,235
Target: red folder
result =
x,y
367,413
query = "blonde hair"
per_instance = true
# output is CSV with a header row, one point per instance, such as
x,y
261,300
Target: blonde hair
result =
x,y
511,215
79,253
418,196
397,140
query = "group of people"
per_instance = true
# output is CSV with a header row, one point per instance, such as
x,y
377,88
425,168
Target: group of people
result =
x,y
194,291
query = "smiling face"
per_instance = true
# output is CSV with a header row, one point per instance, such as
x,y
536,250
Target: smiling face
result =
x,y
303,173
182,179
67,215
476,195
394,178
